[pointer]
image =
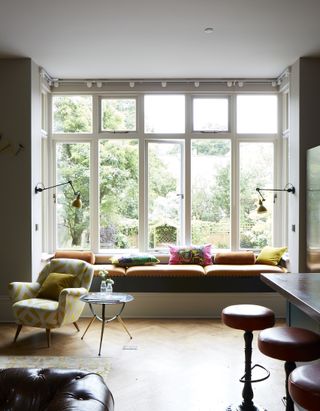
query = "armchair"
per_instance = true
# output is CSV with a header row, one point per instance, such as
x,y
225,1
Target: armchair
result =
x,y
32,311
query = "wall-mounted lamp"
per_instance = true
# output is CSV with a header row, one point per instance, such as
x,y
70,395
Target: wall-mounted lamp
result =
x,y
261,208
77,203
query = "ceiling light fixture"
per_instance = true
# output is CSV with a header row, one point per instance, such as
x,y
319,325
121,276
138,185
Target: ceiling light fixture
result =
x,y
163,83
229,83
240,84
89,84
208,30
131,84
99,84
196,84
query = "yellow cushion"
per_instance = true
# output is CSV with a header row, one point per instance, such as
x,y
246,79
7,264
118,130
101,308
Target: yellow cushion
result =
x,y
270,255
54,284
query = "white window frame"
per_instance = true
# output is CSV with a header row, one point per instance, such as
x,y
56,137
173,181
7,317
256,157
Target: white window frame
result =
x,y
279,235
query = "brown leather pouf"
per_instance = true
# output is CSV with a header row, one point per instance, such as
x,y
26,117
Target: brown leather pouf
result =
x,y
304,386
289,344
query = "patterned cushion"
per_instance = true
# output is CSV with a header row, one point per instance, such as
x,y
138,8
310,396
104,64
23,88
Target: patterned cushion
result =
x,y
194,254
134,259
36,312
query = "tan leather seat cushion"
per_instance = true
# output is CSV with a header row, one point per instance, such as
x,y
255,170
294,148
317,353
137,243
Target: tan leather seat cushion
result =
x,y
248,317
165,270
251,270
289,344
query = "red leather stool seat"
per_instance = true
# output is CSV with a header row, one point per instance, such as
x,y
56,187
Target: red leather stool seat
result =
x,y
304,386
248,317
289,344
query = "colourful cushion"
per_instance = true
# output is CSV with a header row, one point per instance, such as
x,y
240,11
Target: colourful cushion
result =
x,y
271,255
131,260
193,254
54,284
235,257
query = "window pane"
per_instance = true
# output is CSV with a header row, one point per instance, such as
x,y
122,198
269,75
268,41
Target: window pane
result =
x,y
118,114
256,170
165,196
73,228
210,174
72,114
119,193
164,114
210,114
257,114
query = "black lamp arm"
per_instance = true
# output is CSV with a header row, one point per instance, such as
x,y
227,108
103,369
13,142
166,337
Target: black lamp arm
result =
x,y
289,188
39,189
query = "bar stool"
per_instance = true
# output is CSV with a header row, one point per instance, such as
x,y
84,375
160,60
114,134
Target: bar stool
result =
x,y
304,386
289,344
248,317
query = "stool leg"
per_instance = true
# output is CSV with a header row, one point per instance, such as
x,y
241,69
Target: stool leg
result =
x,y
289,366
247,392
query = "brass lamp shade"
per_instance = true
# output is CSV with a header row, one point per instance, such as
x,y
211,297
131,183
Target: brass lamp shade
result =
x,y
261,209
77,203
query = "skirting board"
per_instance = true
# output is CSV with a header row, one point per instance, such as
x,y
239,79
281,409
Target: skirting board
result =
x,y
193,305
177,305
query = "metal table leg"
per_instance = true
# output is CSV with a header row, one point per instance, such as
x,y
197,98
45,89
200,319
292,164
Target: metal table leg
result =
x,y
102,326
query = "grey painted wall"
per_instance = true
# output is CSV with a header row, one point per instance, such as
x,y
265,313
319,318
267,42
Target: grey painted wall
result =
x,y
304,134
18,106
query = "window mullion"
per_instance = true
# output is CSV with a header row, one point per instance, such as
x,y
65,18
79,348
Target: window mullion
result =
x,y
94,179
143,177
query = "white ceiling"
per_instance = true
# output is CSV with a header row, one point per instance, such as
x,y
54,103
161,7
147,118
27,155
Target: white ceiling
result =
x,y
112,39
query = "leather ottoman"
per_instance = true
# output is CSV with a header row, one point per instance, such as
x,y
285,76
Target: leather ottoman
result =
x,y
53,389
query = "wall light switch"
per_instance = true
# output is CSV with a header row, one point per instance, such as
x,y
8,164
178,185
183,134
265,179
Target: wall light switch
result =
x,y
293,227
36,227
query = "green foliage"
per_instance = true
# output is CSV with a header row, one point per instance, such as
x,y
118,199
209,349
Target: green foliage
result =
x,y
119,185
118,114
73,164
72,114
210,147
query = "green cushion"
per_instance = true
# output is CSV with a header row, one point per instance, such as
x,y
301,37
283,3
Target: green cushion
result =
x,y
134,259
271,255
54,284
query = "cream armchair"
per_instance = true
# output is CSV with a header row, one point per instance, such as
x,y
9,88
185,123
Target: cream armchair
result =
x,y
44,313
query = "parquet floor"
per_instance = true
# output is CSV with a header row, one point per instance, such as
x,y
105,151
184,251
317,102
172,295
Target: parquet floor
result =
x,y
169,365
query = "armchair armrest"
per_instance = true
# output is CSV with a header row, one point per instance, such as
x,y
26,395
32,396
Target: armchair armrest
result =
x,y
70,306
23,290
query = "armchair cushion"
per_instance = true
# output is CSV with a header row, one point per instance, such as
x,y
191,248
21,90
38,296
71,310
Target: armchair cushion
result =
x,y
54,284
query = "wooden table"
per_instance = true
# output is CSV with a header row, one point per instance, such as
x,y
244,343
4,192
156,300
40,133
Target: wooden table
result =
x,y
301,290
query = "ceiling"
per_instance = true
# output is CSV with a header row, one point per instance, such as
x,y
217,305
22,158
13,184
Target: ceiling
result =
x,y
144,39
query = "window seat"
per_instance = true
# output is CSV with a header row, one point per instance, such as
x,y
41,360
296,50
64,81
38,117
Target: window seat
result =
x,y
184,278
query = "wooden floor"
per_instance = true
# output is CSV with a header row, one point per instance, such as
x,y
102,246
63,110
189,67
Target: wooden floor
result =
x,y
169,365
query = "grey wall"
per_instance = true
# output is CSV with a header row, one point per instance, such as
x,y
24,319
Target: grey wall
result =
x,y
304,134
16,185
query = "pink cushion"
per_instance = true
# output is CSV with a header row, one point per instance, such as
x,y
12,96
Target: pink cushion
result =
x,y
193,254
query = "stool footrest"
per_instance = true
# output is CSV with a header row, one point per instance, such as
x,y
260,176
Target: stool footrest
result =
x,y
243,379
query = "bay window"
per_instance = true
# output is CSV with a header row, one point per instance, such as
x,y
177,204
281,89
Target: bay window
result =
x,y
164,169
